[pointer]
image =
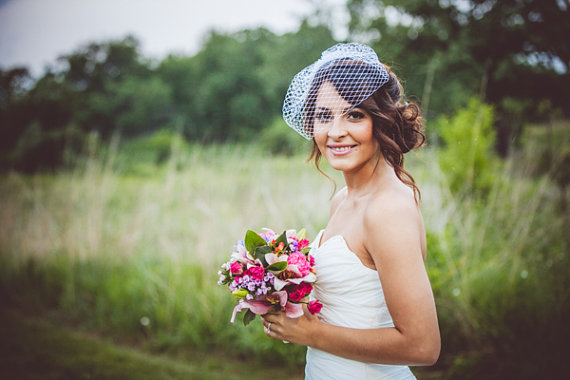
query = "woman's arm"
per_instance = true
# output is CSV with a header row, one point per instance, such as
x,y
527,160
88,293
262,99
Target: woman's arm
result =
x,y
395,241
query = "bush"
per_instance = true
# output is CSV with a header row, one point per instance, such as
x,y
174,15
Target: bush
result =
x,y
467,156
137,257
498,266
279,139
142,154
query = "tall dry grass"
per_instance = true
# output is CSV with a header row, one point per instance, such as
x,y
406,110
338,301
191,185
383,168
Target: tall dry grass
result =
x,y
134,252
192,209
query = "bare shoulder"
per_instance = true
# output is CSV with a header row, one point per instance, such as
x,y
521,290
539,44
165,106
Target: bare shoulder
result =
x,y
337,199
393,224
396,204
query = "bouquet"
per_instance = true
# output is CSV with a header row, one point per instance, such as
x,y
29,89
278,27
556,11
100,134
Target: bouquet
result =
x,y
267,273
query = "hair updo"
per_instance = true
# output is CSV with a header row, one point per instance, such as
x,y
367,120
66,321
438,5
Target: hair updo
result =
x,y
397,124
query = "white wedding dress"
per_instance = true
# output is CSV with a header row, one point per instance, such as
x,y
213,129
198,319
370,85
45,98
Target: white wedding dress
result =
x,y
352,296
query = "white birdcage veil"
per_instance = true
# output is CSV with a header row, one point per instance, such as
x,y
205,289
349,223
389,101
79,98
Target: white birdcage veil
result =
x,y
355,72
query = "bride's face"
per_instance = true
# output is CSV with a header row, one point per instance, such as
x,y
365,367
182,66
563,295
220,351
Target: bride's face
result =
x,y
345,139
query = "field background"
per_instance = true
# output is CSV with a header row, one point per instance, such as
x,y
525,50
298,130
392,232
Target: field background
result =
x,y
126,180
127,251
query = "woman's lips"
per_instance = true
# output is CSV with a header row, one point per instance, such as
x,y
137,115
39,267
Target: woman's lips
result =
x,y
341,150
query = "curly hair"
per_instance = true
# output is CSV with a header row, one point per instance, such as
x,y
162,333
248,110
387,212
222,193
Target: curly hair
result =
x,y
397,124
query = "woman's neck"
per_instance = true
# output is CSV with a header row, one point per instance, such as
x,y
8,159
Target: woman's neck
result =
x,y
369,179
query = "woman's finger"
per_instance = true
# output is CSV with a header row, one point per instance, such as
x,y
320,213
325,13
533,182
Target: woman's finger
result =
x,y
272,317
267,328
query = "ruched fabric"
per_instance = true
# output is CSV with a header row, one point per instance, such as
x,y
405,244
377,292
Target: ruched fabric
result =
x,y
352,296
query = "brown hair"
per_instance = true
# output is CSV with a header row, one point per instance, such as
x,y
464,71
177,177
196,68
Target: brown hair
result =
x,y
397,125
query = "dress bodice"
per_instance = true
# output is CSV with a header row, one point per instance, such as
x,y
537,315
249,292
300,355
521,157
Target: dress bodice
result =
x,y
352,297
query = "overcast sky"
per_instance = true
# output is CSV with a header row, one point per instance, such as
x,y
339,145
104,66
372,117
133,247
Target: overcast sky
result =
x,y
34,33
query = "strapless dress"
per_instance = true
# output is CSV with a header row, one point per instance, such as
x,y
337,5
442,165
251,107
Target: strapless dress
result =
x,y
352,296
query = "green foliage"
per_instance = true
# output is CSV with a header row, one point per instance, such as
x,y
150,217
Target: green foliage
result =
x,y
547,151
139,155
467,157
135,258
230,90
34,348
498,268
141,105
510,52
252,241
446,51
278,138
277,267
141,253
248,317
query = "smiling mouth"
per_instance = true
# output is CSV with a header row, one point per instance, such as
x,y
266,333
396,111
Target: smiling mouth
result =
x,y
341,149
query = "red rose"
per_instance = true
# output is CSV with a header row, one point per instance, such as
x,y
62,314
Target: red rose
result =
x,y
311,261
300,291
236,268
256,273
315,307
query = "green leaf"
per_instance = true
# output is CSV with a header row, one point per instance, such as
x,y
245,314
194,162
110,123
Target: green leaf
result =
x,y
240,293
277,267
282,239
252,241
301,234
248,317
260,253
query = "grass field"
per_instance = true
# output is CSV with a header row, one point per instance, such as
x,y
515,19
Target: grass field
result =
x,y
37,348
128,250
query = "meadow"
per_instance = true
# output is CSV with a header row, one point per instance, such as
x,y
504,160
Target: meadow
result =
x,y
128,242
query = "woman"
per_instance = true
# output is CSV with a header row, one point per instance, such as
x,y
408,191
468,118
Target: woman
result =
x,y
378,312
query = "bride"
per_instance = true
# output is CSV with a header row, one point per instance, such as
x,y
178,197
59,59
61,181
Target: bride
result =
x,y
378,314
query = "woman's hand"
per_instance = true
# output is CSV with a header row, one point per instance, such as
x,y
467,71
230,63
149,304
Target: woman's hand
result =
x,y
294,330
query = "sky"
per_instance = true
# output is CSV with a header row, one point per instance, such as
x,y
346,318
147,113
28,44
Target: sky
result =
x,y
33,33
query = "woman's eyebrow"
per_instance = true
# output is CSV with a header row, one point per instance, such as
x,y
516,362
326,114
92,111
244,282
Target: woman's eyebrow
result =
x,y
347,109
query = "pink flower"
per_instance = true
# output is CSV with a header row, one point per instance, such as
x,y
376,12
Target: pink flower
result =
x,y
256,307
302,244
315,307
256,273
311,261
292,310
300,261
268,235
300,291
236,268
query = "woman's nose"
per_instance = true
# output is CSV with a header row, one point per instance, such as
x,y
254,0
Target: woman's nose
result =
x,y
338,127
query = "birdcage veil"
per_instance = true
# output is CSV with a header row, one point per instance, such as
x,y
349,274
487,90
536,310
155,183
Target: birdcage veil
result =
x,y
355,72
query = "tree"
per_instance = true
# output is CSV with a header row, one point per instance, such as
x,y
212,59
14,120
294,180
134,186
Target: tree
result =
x,y
14,84
89,67
232,89
241,78
500,49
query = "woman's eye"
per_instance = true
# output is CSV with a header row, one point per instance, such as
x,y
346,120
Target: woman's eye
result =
x,y
323,116
355,115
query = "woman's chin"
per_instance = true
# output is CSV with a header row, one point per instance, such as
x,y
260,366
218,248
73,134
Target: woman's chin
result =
x,y
339,164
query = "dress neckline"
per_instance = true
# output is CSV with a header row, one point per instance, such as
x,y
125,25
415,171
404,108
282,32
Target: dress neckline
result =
x,y
320,244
